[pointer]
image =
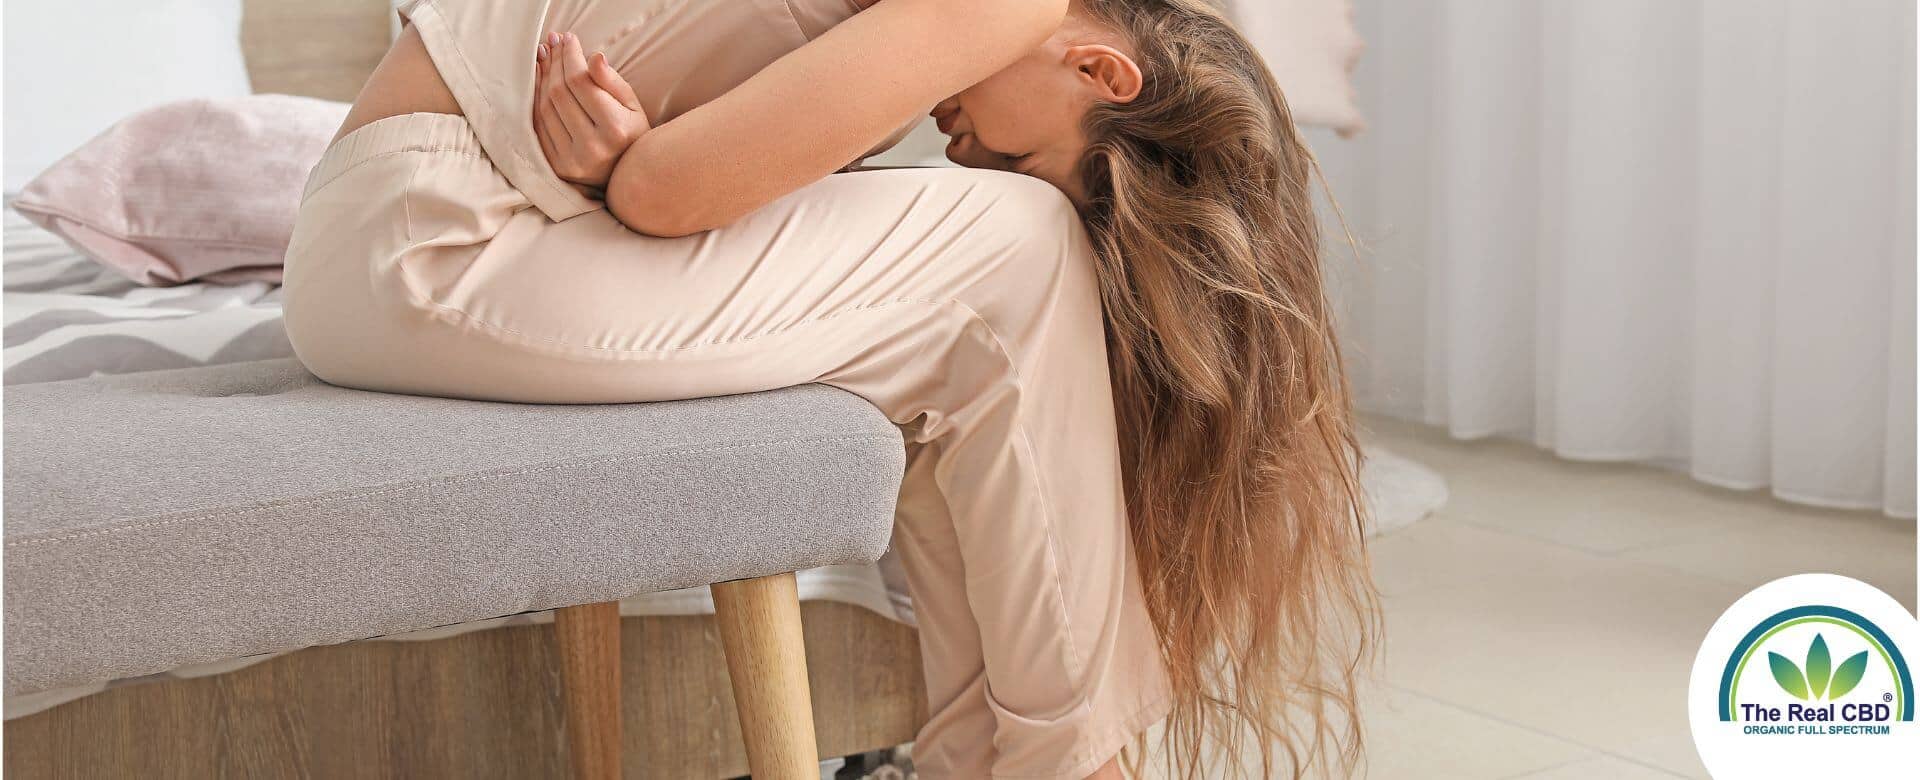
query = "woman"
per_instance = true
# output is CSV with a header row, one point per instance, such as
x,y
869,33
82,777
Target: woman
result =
x,y
1130,485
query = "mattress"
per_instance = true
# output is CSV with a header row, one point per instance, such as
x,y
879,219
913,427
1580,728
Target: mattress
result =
x,y
67,317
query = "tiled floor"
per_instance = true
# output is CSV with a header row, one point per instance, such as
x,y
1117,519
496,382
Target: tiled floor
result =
x,y
1543,624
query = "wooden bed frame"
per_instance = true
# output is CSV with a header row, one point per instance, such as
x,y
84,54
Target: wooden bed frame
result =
x,y
482,704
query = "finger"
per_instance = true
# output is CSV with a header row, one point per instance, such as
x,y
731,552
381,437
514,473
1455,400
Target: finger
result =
x,y
610,80
553,128
539,99
607,111
573,63
539,72
560,98
547,146
550,71
546,120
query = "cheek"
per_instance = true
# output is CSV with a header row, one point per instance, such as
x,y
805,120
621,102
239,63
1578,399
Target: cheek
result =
x,y
1005,108
987,110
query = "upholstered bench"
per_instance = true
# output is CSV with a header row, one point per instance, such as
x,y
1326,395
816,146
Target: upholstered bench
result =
x,y
171,518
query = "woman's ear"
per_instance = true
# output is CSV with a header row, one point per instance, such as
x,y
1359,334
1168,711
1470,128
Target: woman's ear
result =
x,y
1111,74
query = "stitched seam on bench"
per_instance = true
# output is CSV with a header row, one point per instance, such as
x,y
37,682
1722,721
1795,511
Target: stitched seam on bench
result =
x,y
438,483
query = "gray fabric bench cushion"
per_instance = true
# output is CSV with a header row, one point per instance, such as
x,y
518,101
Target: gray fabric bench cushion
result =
x,y
177,517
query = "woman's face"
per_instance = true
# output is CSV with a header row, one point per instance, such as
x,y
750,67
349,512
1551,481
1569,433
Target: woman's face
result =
x,y
1027,117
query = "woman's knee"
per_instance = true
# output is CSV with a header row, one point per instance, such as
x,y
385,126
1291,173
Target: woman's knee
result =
x,y
1031,206
1033,224
1003,230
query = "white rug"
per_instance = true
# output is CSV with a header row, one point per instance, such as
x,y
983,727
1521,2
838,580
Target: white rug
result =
x,y
1399,491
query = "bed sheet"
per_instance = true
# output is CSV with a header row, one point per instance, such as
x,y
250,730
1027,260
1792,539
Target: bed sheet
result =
x,y
69,317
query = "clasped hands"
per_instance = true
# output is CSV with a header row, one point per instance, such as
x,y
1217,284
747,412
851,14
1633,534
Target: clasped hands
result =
x,y
584,113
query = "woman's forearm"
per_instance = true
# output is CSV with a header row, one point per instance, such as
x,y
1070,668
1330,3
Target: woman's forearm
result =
x,y
817,109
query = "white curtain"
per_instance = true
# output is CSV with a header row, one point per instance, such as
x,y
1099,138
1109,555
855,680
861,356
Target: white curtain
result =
x,y
1670,231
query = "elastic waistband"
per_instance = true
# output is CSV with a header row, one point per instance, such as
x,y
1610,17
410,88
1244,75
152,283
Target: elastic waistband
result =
x,y
439,133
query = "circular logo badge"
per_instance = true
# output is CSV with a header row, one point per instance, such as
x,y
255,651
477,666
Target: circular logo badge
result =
x,y
1807,676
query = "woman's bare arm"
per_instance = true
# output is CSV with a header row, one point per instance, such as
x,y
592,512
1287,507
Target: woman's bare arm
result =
x,y
816,109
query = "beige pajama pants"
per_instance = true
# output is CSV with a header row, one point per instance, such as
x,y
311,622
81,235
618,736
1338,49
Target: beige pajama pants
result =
x,y
961,303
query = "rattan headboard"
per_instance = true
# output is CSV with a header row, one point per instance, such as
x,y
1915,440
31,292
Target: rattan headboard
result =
x,y
318,48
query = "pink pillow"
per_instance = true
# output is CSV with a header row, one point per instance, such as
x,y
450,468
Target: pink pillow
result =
x,y
197,190
1311,46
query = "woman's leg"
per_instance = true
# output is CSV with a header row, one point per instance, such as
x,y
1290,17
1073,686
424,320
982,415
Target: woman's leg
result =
x,y
960,303
957,740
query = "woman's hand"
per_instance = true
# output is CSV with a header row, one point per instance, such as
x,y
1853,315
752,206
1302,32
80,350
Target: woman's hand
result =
x,y
584,113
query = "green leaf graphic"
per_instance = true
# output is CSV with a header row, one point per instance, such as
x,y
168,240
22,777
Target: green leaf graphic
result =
x,y
1819,667
1788,675
1848,675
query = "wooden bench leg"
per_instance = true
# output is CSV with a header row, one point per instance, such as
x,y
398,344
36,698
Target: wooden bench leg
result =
x,y
767,662
589,639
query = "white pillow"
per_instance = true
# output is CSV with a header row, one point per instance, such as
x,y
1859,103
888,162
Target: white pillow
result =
x,y
1312,46
74,67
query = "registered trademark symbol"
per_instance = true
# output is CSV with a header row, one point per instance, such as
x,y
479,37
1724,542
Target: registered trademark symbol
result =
x,y
1886,697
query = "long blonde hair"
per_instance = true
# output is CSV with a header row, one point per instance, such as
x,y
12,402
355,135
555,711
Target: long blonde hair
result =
x,y
1236,427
